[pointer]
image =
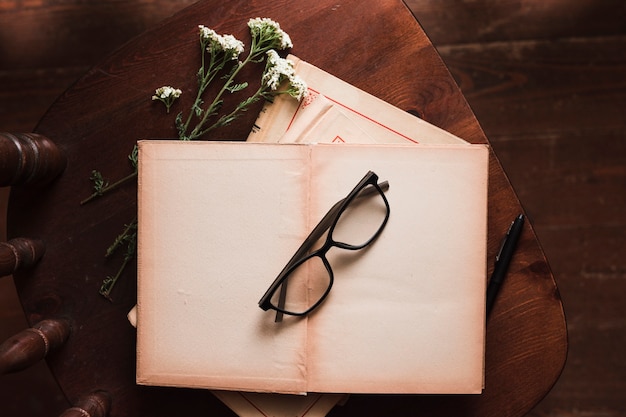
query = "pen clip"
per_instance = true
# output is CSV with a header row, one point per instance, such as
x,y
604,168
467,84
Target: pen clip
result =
x,y
506,236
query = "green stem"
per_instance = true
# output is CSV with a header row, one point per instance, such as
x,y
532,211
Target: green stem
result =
x,y
224,120
108,188
254,54
109,283
202,83
128,237
195,132
123,237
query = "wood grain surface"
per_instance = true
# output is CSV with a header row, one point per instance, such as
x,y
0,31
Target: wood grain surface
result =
x,y
530,72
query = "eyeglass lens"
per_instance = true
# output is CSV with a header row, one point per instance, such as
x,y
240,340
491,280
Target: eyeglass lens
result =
x,y
306,286
362,218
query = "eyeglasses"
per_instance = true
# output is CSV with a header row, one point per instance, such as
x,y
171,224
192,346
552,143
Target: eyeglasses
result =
x,y
352,223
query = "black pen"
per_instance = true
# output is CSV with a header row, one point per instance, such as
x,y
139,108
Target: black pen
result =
x,y
503,259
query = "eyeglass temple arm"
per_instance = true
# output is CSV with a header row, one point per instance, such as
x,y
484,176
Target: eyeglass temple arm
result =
x,y
315,234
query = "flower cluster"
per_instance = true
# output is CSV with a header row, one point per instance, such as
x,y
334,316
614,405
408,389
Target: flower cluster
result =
x,y
167,95
277,70
268,34
214,43
218,54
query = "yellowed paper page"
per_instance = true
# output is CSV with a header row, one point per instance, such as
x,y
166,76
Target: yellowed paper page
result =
x,y
326,124
209,218
406,316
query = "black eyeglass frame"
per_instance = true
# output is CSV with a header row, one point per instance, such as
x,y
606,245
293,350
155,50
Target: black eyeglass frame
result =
x,y
328,222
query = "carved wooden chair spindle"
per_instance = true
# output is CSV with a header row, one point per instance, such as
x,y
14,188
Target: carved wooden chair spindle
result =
x,y
33,160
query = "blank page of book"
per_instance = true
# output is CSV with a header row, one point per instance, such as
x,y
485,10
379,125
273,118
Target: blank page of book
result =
x,y
408,315
218,221
204,212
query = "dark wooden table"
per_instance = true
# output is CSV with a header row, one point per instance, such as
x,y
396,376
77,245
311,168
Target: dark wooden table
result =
x,y
377,46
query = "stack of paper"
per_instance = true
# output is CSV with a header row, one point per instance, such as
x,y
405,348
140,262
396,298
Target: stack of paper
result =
x,y
338,112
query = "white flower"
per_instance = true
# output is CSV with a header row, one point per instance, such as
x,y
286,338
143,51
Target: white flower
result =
x,y
231,45
267,29
166,92
206,33
280,69
285,40
221,43
166,95
298,89
276,70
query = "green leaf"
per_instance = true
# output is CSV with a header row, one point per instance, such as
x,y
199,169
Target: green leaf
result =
x,y
98,182
134,156
128,236
237,87
107,286
180,126
197,107
230,73
244,104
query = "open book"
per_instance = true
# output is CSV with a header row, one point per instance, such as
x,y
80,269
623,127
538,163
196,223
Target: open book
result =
x,y
219,220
